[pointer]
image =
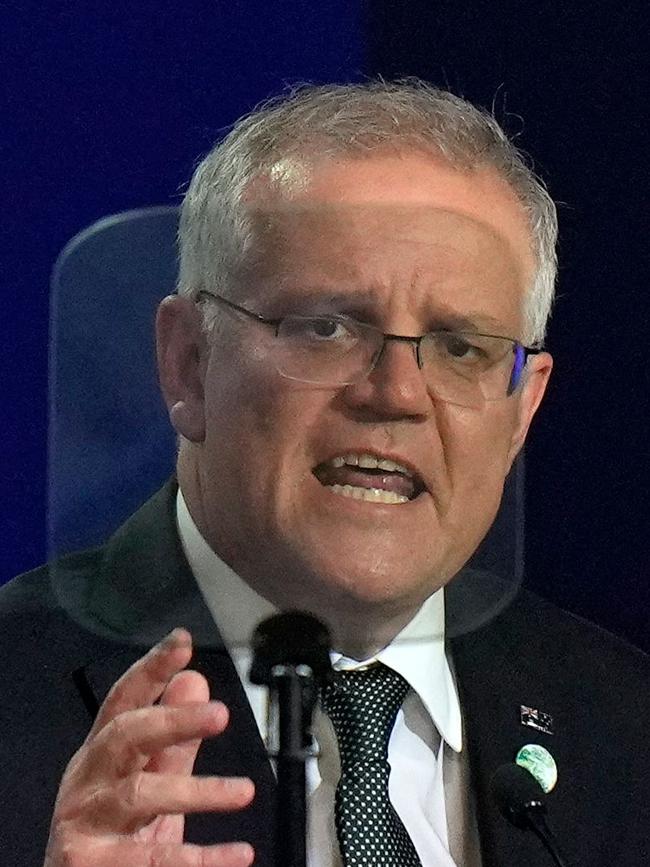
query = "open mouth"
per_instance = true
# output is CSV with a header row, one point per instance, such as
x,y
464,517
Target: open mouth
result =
x,y
370,478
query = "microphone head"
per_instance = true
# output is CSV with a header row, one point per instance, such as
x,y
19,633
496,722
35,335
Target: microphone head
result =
x,y
517,794
290,638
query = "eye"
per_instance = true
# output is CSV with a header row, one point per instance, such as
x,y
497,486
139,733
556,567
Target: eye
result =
x,y
319,329
458,346
466,350
325,329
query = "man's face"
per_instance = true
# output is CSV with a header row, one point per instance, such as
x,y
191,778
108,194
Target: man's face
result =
x,y
409,245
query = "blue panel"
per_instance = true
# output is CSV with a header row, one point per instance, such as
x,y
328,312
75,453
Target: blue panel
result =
x,y
109,106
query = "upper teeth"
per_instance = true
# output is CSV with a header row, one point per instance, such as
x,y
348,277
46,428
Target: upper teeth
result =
x,y
368,462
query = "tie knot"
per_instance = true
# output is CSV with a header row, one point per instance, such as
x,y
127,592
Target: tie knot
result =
x,y
362,706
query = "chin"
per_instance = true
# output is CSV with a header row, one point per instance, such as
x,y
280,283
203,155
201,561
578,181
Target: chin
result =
x,y
361,587
365,613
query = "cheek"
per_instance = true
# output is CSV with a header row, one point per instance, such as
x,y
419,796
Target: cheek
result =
x,y
241,389
259,427
476,447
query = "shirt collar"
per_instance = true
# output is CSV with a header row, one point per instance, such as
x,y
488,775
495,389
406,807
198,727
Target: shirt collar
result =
x,y
417,653
235,607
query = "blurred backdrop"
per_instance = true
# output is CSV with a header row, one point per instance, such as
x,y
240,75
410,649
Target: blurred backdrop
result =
x,y
107,105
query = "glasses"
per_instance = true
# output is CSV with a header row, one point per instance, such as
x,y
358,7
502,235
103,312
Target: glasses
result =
x,y
459,367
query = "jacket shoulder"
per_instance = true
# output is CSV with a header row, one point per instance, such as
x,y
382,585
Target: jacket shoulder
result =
x,y
35,590
556,626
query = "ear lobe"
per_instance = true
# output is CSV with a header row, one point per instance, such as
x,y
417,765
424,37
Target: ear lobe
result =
x,y
532,392
181,351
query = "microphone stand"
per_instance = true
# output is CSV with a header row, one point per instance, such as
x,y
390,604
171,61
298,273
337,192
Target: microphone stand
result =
x,y
291,657
295,694
538,824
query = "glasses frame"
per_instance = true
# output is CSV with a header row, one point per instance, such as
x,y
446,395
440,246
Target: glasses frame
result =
x,y
520,351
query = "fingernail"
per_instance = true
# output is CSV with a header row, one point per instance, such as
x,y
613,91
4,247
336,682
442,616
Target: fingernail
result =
x,y
216,712
241,850
177,637
242,785
237,782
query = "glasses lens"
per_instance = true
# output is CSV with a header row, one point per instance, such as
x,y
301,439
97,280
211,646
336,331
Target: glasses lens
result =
x,y
325,349
460,367
466,368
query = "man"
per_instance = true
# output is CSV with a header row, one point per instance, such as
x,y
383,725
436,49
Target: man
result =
x,y
351,366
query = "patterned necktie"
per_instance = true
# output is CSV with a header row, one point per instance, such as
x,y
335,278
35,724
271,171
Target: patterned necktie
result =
x,y
362,706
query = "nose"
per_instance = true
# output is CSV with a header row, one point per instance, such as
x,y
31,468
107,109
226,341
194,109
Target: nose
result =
x,y
395,387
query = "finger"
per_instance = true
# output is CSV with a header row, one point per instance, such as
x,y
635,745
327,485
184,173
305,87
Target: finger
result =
x,y
187,687
133,803
127,742
146,680
188,855
107,852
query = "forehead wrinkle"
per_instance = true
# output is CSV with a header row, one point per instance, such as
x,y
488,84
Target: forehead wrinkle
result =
x,y
443,271
382,253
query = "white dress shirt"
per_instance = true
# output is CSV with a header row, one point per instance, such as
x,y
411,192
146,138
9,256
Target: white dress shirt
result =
x,y
427,726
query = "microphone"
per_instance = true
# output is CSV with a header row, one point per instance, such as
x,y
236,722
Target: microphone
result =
x,y
290,638
291,657
522,801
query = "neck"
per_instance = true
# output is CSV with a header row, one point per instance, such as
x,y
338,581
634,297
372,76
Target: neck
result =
x,y
360,628
365,636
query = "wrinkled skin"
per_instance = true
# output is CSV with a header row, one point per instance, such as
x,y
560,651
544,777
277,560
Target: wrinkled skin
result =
x,y
407,244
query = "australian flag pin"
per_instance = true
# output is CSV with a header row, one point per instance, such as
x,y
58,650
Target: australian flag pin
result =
x,y
536,719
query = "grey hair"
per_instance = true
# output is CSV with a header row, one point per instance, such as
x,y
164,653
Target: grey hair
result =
x,y
215,235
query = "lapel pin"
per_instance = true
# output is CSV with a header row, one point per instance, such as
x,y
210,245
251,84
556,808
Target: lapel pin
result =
x,y
536,719
540,763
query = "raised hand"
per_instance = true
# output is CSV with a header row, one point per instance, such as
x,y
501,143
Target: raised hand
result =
x,y
125,793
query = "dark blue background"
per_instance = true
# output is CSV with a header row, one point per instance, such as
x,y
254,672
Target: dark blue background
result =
x,y
107,106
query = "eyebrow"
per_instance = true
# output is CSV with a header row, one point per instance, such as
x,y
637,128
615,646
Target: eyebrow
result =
x,y
470,321
340,300
363,304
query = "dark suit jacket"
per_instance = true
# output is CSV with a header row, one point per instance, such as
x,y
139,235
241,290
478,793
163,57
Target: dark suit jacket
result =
x,y
65,637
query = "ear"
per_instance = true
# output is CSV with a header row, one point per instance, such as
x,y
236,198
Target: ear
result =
x,y
182,354
532,391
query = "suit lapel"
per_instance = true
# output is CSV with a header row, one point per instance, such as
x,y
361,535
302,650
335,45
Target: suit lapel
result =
x,y
145,589
497,674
